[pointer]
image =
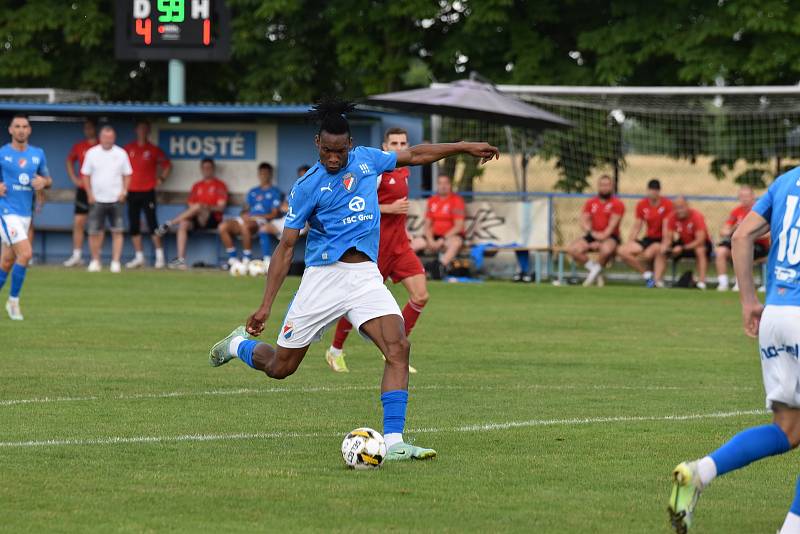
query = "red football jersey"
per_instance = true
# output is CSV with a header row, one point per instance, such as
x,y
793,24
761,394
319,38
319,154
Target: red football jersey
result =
x,y
78,152
145,160
601,212
737,215
393,186
688,228
443,212
209,192
654,216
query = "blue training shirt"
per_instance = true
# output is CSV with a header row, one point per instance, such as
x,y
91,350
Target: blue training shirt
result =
x,y
262,201
18,168
779,206
341,209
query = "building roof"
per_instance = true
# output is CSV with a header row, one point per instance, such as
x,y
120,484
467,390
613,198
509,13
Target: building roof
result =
x,y
154,108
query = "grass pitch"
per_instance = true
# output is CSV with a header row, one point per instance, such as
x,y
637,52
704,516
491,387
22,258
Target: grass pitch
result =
x,y
553,410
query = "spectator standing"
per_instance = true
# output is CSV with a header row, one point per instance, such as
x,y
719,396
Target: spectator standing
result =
x,y
685,236
146,161
106,172
650,213
600,220
206,205
747,198
444,229
77,155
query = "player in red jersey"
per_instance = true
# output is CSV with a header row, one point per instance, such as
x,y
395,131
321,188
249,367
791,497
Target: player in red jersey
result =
x,y
444,228
146,160
600,220
396,259
650,212
723,251
685,236
76,155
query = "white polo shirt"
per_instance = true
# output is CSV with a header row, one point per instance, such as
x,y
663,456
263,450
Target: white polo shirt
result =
x,y
106,168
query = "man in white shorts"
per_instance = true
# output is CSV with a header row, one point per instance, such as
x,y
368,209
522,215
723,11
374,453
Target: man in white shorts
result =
x,y
777,327
338,198
23,170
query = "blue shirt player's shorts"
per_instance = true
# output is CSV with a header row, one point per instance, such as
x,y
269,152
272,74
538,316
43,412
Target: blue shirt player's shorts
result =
x,y
328,292
779,343
13,229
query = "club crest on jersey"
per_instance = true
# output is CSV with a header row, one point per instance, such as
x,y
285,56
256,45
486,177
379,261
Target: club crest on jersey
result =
x,y
349,181
22,162
288,330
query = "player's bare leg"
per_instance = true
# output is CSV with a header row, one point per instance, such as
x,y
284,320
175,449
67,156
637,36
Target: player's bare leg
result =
x,y
78,229
227,231
388,334
630,253
95,247
117,240
452,245
701,253
722,254
182,236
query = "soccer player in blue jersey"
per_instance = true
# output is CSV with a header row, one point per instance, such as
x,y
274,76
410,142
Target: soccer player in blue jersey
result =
x,y
338,198
261,207
777,327
24,170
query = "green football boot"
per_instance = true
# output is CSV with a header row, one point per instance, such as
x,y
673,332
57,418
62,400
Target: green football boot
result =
x,y
686,489
336,363
404,451
219,355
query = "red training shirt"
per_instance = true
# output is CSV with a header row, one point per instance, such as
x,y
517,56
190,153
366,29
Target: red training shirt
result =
x,y
393,186
145,160
737,215
443,212
78,152
601,211
688,228
654,216
209,192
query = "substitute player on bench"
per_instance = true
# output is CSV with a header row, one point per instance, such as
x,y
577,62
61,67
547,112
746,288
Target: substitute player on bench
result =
x,y
776,327
338,197
723,251
23,170
396,259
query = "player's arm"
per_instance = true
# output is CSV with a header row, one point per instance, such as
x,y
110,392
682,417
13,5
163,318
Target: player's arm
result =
x,y
276,274
727,230
399,206
752,227
457,229
86,179
166,168
666,237
430,153
76,179
613,224
699,239
586,222
126,184
637,227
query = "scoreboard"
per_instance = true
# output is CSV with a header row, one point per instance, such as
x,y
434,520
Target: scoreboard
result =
x,y
190,30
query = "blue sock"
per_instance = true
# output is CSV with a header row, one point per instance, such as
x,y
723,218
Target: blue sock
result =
x,y
17,278
231,253
245,351
394,411
3,276
266,244
750,445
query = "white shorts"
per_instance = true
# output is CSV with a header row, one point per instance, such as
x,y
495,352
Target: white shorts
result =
x,y
278,224
779,344
14,229
326,293
258,220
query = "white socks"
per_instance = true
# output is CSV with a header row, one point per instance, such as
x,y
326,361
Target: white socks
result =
x,y
13,300
791,525
723,280
160,254
391,439
233,347
591,264
647,275
707,470
76,253
335,351
139,255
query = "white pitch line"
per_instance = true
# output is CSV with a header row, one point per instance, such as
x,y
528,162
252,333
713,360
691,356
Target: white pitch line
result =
x,y
327,389
482,427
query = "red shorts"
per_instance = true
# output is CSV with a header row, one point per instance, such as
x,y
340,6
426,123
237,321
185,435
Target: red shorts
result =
x,y
399,265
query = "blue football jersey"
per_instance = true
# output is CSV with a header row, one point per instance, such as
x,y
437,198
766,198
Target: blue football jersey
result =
x,y
262,201
18,168
341,209
779,206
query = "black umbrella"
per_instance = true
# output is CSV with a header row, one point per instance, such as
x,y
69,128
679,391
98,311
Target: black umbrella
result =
x,y
471,99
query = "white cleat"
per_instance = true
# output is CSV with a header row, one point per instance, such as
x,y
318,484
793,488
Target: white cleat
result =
x,y
160,263
594,272
701,286
73,261
116,267
722,287
94,266
12,308
135,263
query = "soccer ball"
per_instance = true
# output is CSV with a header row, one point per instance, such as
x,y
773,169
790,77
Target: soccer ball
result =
x,y
363,448
256,268
238,269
